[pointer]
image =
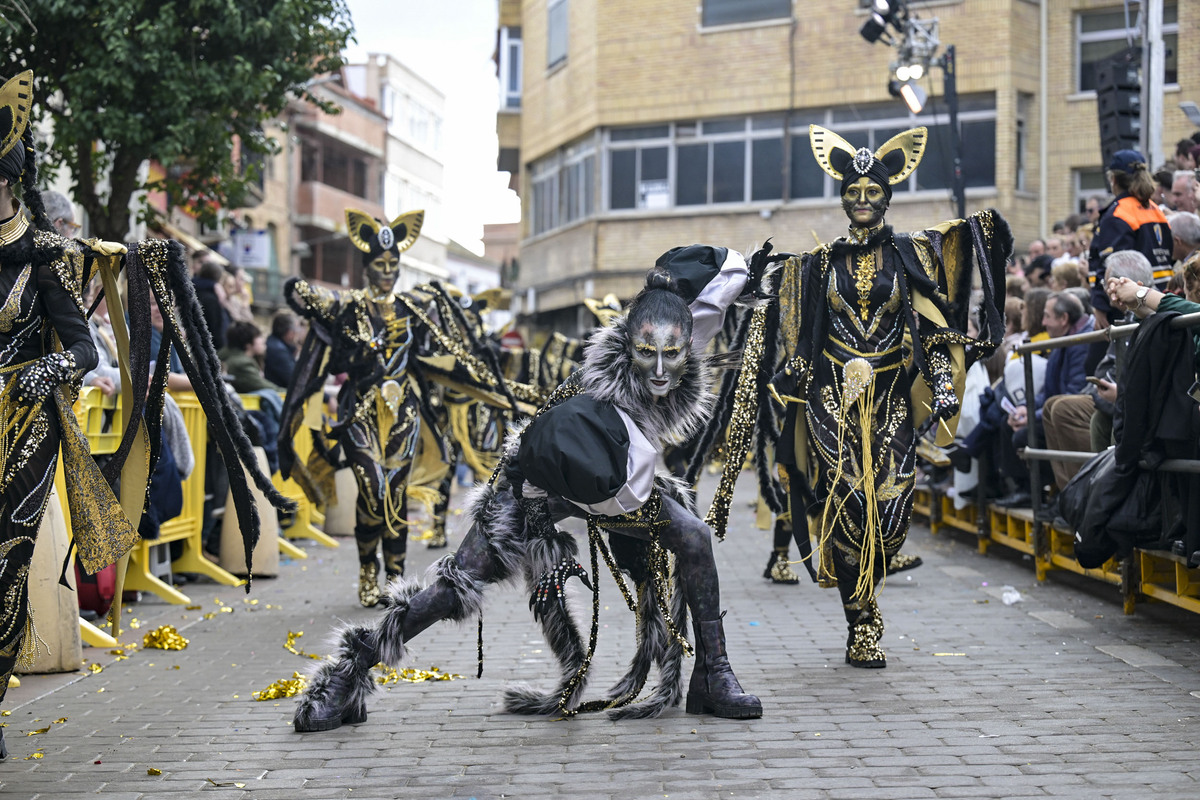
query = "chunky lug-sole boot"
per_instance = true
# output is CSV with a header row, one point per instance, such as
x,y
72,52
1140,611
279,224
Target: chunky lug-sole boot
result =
x,y
337,694
714,689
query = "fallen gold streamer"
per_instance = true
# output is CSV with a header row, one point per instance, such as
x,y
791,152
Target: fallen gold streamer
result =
x,y
290,646
164,637
282,688
389,675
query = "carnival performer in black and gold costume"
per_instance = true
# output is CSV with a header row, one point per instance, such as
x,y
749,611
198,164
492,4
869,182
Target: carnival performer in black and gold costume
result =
x,y
391,345
874,339
590,452
46,347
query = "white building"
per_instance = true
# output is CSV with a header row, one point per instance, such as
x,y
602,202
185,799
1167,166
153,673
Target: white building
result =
x,y
413,173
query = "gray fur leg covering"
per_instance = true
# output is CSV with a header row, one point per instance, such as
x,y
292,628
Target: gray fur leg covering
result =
x,y
665,650
389,633
339,687
558,626
498,518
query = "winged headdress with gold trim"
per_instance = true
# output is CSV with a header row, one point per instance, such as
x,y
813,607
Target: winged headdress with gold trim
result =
x,y
894,161
16,101
374,238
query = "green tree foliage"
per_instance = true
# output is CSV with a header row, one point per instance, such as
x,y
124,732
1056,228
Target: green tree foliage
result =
x,y
185,83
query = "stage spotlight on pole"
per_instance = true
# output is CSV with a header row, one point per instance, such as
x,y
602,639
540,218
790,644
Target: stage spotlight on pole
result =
x,y
883,13
914,96
874,29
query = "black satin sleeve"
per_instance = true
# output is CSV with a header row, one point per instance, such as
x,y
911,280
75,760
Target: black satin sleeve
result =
x,y
72,329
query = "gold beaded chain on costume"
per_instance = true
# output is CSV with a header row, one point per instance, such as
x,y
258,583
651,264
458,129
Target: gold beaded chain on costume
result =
x,y
474,367
646,519
741,423
579,675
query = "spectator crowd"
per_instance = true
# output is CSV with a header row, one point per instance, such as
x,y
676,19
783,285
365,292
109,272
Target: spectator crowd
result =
x,y
1131,258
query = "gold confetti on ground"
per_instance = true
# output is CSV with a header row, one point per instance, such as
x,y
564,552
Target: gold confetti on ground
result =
x,y
210,615
39,730
135,623
5,713
192,608
283,688
60,720
249,601
290,646
164,637
94,668
389,675
34,755
154,771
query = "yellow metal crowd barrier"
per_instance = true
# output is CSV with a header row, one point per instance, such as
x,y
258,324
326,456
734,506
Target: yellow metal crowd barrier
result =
x,y
1145,574
100,419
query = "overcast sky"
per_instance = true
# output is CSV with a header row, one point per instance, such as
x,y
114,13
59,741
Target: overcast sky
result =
x,y
450,44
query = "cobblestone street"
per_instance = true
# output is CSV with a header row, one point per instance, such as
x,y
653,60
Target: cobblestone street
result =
x,y
1058,694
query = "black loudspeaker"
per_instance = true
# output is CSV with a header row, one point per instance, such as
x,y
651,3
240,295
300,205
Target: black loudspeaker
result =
x,y
1119,103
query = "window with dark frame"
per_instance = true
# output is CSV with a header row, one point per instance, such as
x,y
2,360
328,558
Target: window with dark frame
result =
x,y
732,12
1101,34
731,161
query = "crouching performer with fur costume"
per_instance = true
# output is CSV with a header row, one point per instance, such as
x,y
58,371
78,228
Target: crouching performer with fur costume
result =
x,y
590,452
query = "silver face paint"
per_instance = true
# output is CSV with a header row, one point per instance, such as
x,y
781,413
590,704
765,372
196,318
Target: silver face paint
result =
x,y
660,354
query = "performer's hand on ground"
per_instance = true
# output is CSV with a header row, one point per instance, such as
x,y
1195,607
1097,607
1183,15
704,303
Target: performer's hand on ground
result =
x,y
553,584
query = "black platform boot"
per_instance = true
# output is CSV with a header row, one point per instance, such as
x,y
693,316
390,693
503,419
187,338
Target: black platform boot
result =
x,y
339,688
337,694
714,688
